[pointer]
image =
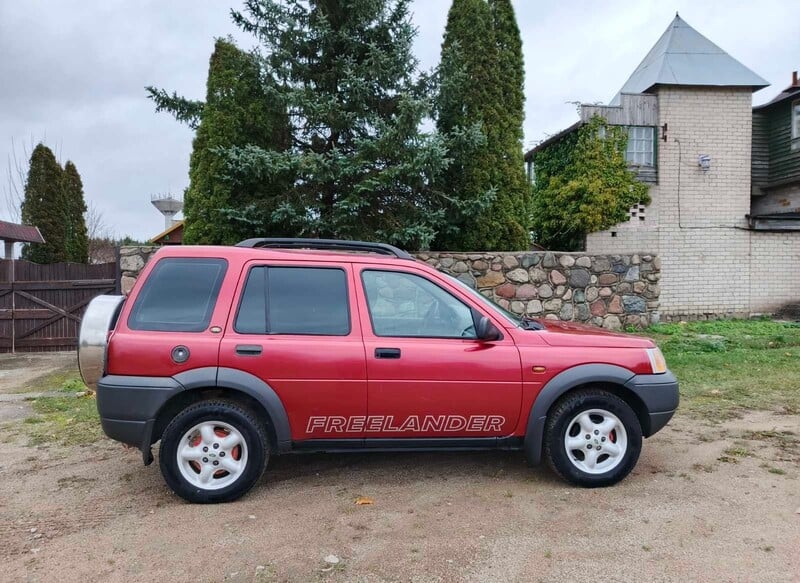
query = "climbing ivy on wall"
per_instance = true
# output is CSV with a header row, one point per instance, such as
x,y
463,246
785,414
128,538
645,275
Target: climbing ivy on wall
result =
x,y
583,185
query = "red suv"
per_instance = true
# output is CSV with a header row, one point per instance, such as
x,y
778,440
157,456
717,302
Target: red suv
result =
x,y
231,354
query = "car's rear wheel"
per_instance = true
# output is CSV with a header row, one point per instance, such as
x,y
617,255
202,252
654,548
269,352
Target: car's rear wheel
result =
x,y
592,438
213,451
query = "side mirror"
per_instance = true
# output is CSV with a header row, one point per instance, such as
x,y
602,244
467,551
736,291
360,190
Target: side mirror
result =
x,y
485,328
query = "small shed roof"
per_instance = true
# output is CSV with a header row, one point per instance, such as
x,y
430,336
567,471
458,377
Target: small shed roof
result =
x,y
15,233
683,56
164,236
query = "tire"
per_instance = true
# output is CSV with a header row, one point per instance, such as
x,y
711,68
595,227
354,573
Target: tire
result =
x,y
223,452
612,447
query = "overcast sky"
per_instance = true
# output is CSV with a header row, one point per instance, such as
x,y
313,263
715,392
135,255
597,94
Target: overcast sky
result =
x,y
72,73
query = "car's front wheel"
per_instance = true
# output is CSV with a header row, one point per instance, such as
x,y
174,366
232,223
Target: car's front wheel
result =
x,y
213,451
592,438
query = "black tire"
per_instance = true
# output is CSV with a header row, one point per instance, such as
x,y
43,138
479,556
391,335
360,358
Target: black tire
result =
x,y
244,422
560,418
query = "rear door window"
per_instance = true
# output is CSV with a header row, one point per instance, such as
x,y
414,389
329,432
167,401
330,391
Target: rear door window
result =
x,y
294,300
179,295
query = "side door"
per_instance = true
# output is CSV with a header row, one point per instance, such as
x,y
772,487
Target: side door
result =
x,y
295,326
429,376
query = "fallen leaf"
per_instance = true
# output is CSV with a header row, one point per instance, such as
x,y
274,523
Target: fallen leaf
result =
x,y
364,501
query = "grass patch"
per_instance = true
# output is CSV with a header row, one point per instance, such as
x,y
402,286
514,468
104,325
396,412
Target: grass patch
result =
x,y
727,366
56,380
738,452
64,420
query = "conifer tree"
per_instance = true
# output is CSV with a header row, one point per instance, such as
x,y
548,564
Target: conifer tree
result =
x,y
358,166
237,112
513,187
348,158
43,207
76,234
481,84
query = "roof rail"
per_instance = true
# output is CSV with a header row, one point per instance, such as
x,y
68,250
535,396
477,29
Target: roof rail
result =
x,y
327,245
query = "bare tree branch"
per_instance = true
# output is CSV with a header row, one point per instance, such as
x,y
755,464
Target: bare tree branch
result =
x,y
17,176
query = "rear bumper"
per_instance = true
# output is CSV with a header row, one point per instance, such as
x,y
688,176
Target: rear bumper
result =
x,y
659,393
128,407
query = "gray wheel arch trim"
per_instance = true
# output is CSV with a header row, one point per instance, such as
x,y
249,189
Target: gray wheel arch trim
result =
x,y
557,386
253,386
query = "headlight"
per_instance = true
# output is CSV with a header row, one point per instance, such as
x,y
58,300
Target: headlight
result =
x,y
657,362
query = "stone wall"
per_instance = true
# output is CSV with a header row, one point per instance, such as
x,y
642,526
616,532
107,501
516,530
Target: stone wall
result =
x,y
611,291
131,263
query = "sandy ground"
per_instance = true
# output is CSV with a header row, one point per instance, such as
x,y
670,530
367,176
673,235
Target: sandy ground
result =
x,y
690,511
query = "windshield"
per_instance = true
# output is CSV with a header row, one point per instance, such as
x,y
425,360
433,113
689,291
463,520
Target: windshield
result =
x,y
511,317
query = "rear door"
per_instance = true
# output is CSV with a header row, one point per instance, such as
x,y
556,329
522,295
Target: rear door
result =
x,y
295,326
429,376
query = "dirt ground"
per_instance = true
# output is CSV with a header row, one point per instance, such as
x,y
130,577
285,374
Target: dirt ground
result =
x,y
706,503
35,372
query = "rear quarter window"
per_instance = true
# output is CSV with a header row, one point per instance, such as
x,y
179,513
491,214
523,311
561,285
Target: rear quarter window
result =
x,y
179,295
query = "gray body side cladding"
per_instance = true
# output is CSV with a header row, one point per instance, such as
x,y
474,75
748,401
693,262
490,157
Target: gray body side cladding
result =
x,y
557,386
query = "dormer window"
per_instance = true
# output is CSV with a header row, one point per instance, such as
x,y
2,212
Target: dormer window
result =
x,y
796,125
641,146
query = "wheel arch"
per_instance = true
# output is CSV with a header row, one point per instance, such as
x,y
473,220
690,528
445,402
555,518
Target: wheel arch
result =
x,y
244,388
606,376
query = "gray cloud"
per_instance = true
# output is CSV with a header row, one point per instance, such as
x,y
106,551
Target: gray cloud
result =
x,y
73,72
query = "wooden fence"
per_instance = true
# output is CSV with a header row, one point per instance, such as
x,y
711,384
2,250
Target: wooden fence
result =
x,y
41,305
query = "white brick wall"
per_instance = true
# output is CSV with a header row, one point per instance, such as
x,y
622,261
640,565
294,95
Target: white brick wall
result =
x,y
775,271
711,265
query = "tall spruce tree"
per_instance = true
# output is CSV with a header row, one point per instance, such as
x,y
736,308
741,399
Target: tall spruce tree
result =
x,y
358,166
480,83
237,112
43,207
76,234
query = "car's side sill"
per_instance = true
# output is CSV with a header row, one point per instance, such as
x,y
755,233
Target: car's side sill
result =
x,y
408,444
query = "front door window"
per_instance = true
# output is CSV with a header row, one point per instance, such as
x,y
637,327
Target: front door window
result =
x,y
409,306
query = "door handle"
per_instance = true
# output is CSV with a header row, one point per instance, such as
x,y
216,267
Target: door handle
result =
x,y
387,353
248,349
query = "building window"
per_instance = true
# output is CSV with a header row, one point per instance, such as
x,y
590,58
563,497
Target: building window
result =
x,y
641,146
796,125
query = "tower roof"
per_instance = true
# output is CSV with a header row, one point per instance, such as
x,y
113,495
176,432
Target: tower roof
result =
x,y
683,56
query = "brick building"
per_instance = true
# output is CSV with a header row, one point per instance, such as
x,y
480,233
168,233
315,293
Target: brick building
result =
x,y
688,107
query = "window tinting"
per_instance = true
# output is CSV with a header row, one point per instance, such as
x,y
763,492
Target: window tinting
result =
x,y
294,300
179,295
406,305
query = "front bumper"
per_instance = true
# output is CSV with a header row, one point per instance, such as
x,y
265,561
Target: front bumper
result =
x,y
128,407
659,393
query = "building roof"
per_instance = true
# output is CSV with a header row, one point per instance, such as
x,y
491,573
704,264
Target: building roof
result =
x,y
19,233
176,226
683,56
792,91
552,139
